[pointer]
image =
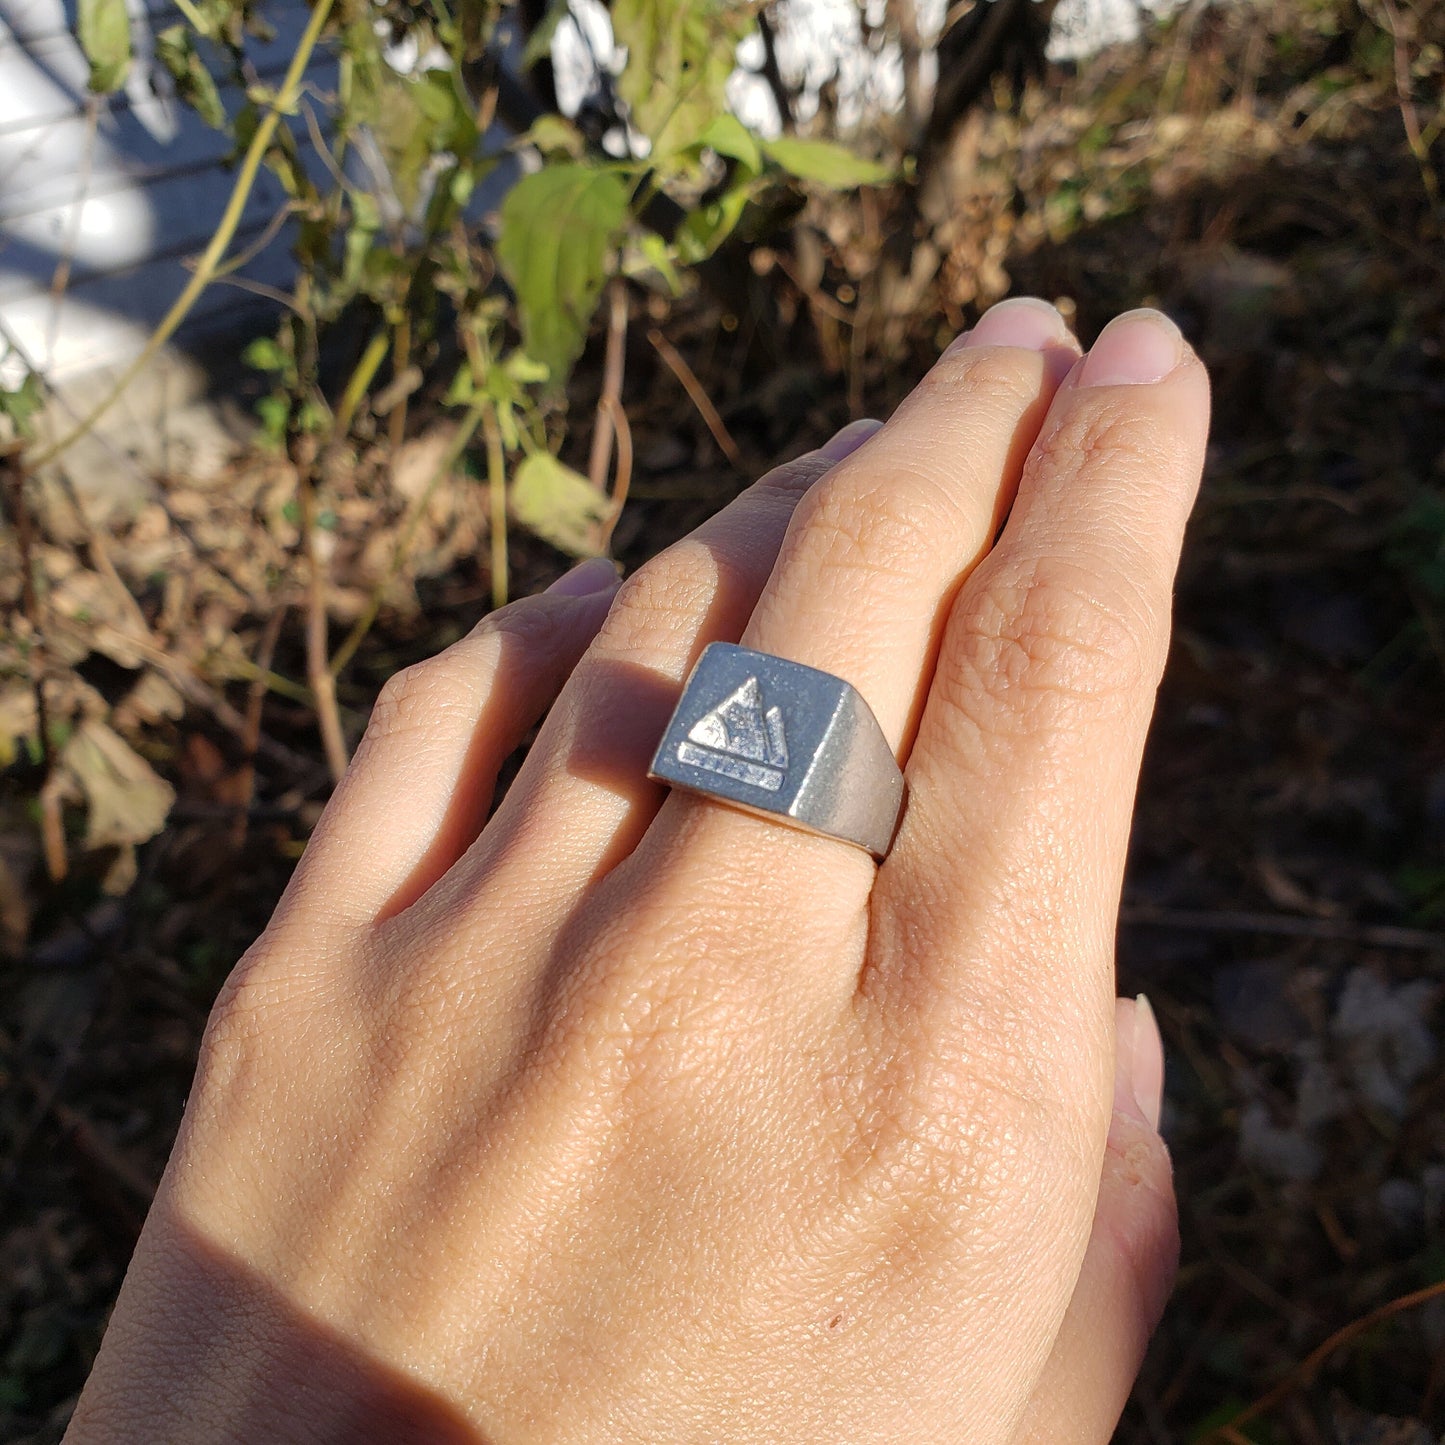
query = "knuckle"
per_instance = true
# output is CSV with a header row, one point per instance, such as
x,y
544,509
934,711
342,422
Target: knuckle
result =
x,y
646,1018
456,682
1113,437
240,1019
1005,378
413,700
854,524
985,1153
661,601
538,624
791,480
1052,636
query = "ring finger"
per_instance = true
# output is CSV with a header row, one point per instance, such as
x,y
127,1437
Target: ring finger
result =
x,y
863,582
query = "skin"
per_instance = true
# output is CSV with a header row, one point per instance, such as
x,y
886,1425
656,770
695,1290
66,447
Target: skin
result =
x,y
630,1117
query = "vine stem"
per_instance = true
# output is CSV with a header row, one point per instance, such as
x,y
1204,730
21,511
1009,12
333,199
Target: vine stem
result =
x,y
1304,1373
193,15
497,487
697,394
358,383
318,672
623,479
221,238
612,368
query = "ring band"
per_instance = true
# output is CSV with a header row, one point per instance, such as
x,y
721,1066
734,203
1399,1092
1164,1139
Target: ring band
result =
x,y
786,742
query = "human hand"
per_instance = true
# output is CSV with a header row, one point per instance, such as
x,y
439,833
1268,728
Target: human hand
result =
x,y
630,1117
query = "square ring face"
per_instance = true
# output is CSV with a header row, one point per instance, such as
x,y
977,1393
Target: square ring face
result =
x,y
749,728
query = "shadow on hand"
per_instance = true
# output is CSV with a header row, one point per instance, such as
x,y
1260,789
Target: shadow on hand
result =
x,y
253,1370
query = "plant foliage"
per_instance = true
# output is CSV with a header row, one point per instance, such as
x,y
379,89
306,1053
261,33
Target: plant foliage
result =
x,y
397,239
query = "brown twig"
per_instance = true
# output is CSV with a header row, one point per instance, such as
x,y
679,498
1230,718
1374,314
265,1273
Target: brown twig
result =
x,y
400,362
612,370
250,739
623,478
497,496
1303,1374
910,54
1282,925
1409,117
318,662
677,364
773,74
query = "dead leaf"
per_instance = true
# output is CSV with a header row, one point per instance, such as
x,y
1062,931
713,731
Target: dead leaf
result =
x,y
417,460
17,720
126,800
561,506
90,600
146,704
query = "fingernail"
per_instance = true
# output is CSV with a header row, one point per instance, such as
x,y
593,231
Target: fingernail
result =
x,y
1133,350
846,442
586,578
1022,321
1138,1063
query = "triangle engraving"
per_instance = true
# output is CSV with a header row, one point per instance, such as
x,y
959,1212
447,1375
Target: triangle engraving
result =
x,y
741,739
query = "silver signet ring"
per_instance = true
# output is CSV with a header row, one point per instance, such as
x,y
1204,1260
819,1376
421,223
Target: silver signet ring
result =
x,y
786,742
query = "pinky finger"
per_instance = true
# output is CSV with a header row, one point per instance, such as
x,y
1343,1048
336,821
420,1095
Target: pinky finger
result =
x,y
1129,1264
420,786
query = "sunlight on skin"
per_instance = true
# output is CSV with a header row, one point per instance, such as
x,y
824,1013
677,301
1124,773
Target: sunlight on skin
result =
x,y
634,1117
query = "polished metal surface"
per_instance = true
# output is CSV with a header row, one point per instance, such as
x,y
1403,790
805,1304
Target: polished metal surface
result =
x,y
786,742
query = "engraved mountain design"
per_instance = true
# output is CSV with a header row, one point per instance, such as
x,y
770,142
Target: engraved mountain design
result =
x,y
740,739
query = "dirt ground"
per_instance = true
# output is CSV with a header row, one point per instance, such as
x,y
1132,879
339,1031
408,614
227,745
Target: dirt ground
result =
x,y
1270,176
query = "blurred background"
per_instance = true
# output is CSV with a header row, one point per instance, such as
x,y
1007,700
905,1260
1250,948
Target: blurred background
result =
x,y
454,298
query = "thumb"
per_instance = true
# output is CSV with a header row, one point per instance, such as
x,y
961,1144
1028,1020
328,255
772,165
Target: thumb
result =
x,y
1129,1264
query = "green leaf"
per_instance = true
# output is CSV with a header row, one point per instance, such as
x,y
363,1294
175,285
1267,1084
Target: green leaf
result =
x,y
520,368
176,50
561,506
273,412
414,120
705,228
265,354
21,404
656,255
360,240
680,54
826,164
728,136
103,29
444,103
552,135
558,226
